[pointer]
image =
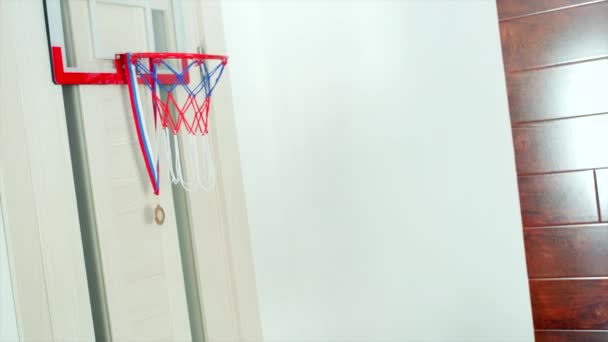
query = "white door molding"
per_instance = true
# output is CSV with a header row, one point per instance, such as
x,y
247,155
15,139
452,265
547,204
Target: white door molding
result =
x,y
220,230
37,187
8,320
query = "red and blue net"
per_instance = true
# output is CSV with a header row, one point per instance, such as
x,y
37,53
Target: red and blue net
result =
x,y
179,86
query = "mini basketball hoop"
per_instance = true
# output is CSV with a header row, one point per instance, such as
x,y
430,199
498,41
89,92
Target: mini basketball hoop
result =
x,y
169,96
179,86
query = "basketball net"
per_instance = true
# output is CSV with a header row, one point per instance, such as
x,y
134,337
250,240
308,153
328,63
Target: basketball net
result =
x,y
179,87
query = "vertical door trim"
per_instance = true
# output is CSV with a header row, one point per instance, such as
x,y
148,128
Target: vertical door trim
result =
x,y
37,187
222,252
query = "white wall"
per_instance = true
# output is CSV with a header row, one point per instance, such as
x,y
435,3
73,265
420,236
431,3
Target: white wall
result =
x,y
379,170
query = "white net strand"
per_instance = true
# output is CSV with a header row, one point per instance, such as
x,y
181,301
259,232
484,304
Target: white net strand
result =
x,y
169,157
206,141
201,177
188,184
208,168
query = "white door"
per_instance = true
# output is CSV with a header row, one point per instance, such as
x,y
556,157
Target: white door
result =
x,y
134,265
8,321
133,268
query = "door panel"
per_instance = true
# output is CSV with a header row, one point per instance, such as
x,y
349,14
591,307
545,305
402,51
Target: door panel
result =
x,y
556,66
133,37
140,261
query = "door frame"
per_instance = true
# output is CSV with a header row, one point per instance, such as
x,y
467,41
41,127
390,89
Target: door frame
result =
x,y
37,188
36,177
223,252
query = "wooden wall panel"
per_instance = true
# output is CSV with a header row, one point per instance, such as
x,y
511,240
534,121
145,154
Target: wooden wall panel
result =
x,y
571,144
602,191
555,37
513,8
573,251
553,199
556,65
570,304
571,336
559,92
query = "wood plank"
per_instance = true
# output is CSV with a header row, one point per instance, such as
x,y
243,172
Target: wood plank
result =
x,y
564,198
570,304
571,336
571,144
559,92
514,8
573,251
555,37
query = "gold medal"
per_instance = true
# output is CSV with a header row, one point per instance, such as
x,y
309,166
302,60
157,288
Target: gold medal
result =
x,y
159,215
